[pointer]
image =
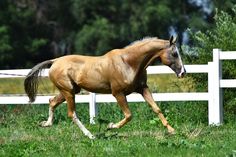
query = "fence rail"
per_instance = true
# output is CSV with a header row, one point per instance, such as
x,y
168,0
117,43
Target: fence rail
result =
x,y
213,96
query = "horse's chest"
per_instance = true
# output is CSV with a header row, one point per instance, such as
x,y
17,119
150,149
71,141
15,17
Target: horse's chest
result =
x,y
127,76
129,81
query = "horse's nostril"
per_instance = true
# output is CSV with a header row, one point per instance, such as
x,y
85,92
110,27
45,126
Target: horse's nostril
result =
x,y
181,75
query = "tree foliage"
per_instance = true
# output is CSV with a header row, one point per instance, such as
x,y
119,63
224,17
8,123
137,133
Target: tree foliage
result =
x,y
222,36
132,20
18,40
36,30
96,38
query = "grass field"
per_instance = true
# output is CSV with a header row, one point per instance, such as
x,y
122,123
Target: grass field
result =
x,y
21,135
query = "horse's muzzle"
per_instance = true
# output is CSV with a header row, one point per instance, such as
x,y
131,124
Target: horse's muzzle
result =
x,y
182,73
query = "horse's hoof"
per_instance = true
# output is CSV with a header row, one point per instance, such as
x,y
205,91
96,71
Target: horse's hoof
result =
x,y
92,137
89,135
111,126
171,131
45,124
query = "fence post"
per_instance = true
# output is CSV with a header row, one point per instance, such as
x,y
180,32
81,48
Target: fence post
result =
x,y
217,110
211,105
92,108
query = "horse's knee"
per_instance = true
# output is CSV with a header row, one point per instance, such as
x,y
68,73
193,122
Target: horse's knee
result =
x,y
55,101
52,102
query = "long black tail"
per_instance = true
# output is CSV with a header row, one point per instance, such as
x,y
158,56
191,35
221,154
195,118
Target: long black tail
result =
x,y
32,79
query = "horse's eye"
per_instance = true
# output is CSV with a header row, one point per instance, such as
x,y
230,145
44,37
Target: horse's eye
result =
x,y
175,54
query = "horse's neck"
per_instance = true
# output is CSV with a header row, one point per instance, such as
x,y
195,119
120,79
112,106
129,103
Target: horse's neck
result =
x,y
140,57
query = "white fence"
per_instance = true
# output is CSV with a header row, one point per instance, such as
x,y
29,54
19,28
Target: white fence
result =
x,y
213,96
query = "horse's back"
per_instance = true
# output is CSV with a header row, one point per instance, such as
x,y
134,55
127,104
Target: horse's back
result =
x,y
85,71
95,74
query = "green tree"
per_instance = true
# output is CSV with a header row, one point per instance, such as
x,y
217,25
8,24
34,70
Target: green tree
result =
x,y
32,31
225,5
5,46
222,36
18,40
95,39
36,30
131,20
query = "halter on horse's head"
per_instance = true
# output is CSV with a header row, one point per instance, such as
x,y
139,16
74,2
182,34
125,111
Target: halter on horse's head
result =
x,y
172,58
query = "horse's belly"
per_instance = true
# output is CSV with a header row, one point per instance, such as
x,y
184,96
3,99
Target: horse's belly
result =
x,y
99,90
96,86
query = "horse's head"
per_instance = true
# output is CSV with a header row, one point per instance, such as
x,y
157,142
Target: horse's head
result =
x,y
170,56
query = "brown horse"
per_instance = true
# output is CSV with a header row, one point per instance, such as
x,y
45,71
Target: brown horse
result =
x,y
119,72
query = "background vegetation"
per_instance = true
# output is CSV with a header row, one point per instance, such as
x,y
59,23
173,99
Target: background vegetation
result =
x,y
35,30
222,36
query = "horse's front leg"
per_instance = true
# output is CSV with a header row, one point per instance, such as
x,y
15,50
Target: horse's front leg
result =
x,y
122,102
148,97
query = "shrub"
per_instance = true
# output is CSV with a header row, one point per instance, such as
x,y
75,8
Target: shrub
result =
x,y
222,36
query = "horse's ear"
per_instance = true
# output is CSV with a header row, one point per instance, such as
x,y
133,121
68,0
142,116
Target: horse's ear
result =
x,y
173,40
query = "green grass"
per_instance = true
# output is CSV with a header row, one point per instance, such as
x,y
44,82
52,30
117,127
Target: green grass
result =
x,y
21,135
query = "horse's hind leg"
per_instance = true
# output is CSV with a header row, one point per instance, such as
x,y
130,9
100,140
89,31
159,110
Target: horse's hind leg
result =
x,y
53,103
70,98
